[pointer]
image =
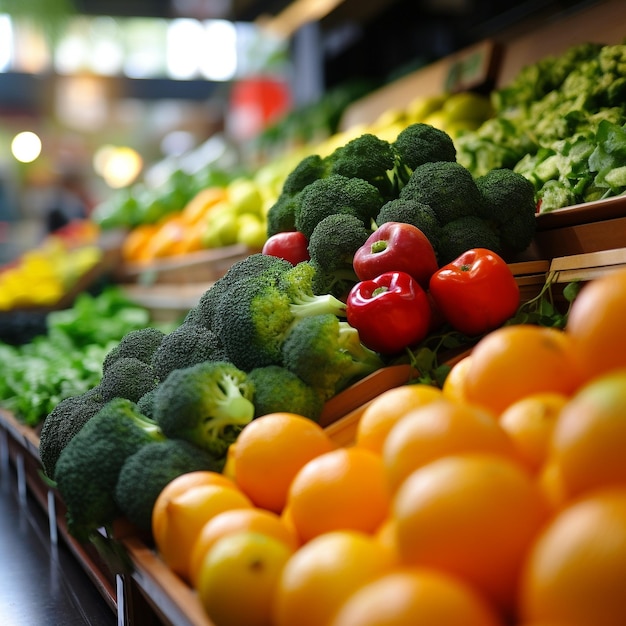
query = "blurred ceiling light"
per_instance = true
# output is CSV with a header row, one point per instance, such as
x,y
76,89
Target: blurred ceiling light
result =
x,y
218,59
6,42
296,15
118,166
26,146
184,47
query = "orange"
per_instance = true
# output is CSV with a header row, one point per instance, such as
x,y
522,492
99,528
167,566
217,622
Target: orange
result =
x,y
386,409
576,569
529,422
238,520
454,384
416,597
550,481
180,485
270,450
319,577
239,576
472,516
342,489
596,324
185,514
196,210
516,361
589,437
439,429
136,242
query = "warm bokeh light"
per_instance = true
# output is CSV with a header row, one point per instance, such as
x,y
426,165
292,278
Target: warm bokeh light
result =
x,y
26,146
118,166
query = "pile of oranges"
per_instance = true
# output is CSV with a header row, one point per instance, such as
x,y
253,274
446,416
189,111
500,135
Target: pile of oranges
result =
x,y
499,500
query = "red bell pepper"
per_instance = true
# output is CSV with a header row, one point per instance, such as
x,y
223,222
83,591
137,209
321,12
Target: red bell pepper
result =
x,y
390,312
476,293
396,247
290,245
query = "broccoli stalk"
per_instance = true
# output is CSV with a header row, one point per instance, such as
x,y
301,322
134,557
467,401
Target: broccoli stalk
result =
x,y
206,404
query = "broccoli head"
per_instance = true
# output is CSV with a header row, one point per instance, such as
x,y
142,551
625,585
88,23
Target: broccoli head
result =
x,y
327,354
184,346
464,234
334,241
421,143
87,469
63,423
447,187
309,169
410,211
255,318
127,377
370,158
278,389
206,404
257,264
508,200
336,194
140,344
281,216
153,466
331,247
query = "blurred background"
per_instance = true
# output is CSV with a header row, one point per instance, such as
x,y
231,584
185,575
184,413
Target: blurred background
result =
x,y
98,96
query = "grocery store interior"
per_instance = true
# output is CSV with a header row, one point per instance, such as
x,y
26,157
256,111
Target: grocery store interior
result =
x,y
122,117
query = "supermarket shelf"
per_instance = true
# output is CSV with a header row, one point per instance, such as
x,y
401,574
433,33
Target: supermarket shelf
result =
x,y
41,581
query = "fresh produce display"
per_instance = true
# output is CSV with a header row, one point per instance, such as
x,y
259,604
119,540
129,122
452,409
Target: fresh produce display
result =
x,y
42,276
342,200
560,123
65,359
437,503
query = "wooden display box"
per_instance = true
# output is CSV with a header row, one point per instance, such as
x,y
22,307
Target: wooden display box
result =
x,y
196,267
589,227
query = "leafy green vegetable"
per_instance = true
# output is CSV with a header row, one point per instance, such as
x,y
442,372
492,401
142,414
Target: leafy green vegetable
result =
x,y
67,360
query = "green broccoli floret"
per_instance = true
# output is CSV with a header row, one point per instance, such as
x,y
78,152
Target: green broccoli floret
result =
x,y
206,404
141,344
255,318
255,264
465,233
336,194
63,423
88,467
331,247
373,159
145,404
281,216
422,143
127,377
152,467
409,211
277,389
184,346
508,200
327,354
447,187
308,170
